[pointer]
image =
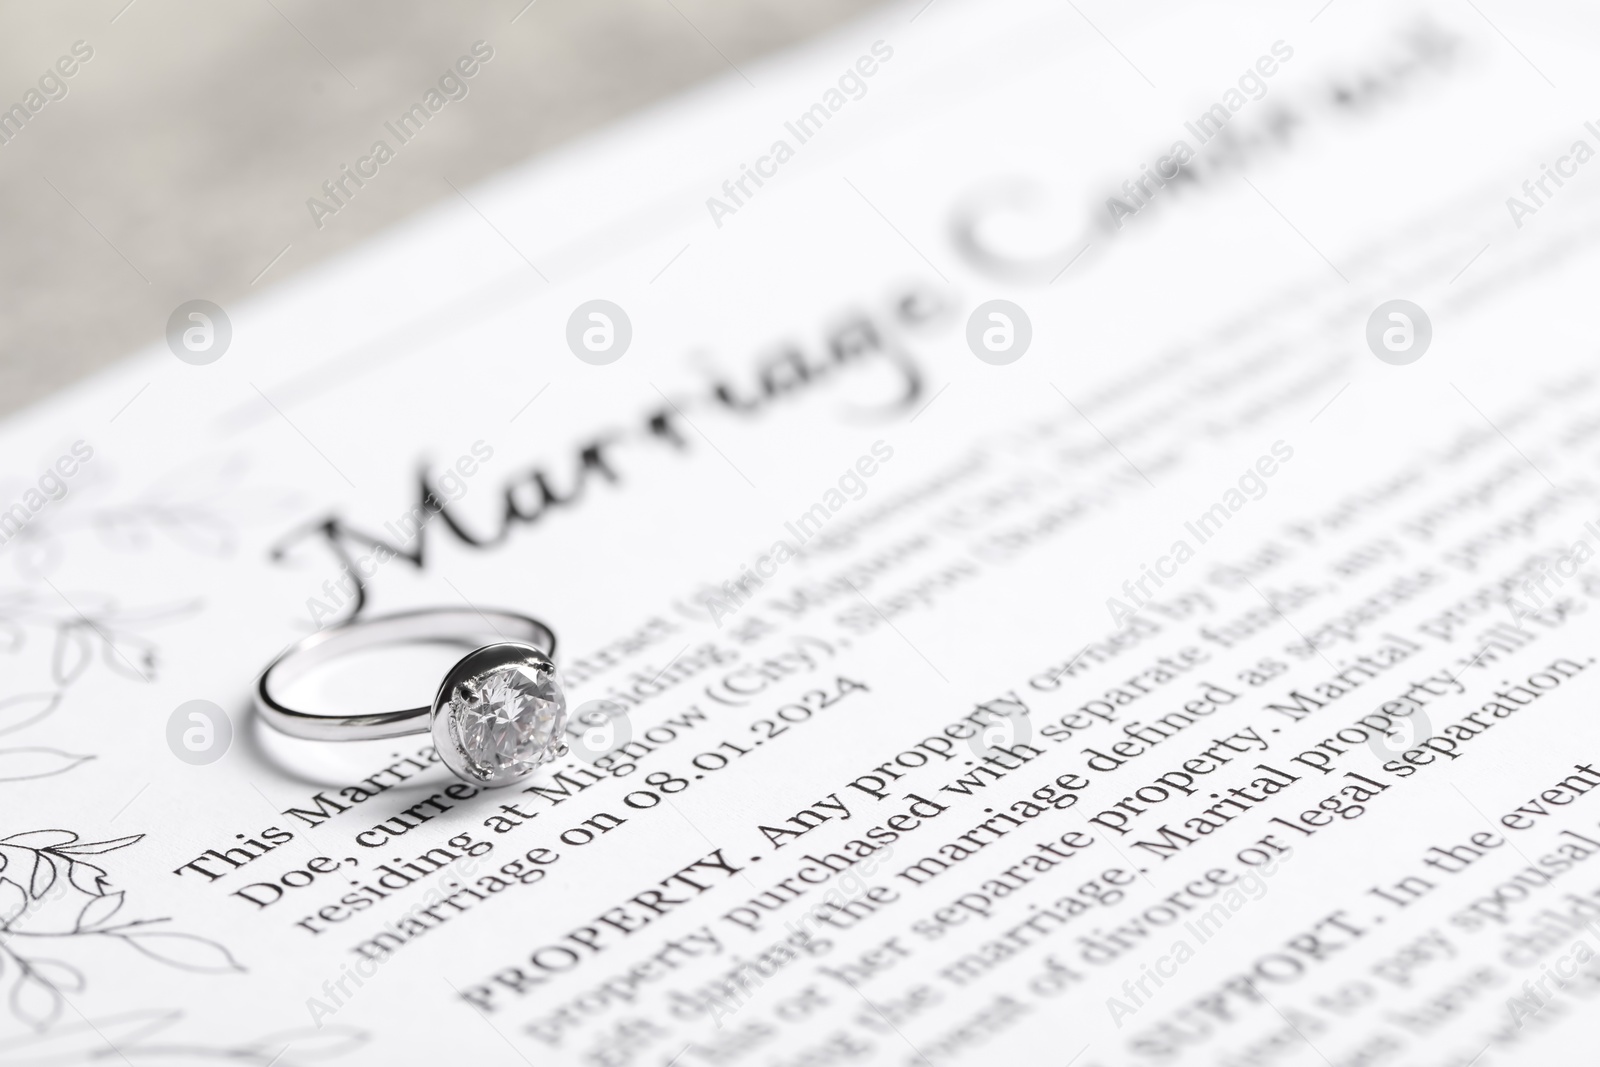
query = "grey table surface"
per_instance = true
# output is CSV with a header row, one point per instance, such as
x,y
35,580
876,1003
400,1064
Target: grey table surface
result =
x,y
176,161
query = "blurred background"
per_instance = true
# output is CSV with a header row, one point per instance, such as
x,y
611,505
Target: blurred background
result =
x,y
178,163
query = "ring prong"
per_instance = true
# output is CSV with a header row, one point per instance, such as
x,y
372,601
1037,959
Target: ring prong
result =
x,y
466,693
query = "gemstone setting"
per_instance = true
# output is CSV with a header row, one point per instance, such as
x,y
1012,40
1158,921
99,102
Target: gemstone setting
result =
x,y
500,714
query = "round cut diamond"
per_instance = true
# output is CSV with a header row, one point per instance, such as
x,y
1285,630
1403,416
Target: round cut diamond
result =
x,y
509,720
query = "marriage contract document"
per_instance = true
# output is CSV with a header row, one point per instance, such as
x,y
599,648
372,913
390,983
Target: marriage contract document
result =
x,y
1072,537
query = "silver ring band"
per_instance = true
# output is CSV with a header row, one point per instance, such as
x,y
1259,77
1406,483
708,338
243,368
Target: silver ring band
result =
x,y
459,626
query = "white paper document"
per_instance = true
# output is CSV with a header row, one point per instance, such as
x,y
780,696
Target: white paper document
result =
x,y
1072,540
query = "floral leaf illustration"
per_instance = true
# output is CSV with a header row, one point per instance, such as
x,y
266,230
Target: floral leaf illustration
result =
x,y
196,530
13,901
154,615
94,848
63,976
99,911
186,951
87,877
44,875
18,863
77,1042
308,1043
130,655
36,555
20,764
40,838
34,1000
73,652
34,863
19,711
126,529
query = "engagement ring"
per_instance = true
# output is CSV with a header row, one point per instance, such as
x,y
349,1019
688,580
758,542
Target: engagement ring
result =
x,y
499,712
